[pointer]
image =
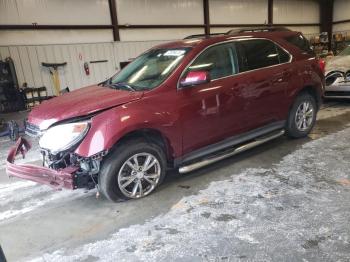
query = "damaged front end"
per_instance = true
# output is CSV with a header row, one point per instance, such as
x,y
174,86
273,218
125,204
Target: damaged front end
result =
x,y
62,168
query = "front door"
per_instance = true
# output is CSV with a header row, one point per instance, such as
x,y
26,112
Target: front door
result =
x,y
212,111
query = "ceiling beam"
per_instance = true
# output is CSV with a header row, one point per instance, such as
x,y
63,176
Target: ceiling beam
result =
x,y
341,21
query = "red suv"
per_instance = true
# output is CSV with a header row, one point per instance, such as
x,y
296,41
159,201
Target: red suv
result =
x,y
183,105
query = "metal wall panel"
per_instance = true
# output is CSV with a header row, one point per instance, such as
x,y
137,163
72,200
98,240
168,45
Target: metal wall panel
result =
x,y
160,12
238,11
28,59
296,11
344,27
55,12
308,31
157,34
341,10
45,37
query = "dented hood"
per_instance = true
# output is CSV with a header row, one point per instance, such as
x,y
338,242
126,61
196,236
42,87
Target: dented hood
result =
x,y
83,101
338,63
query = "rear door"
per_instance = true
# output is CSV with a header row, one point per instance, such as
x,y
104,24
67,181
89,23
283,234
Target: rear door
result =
x,y
265,91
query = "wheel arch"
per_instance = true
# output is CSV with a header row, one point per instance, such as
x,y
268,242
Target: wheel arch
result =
x,y
311,90
150,135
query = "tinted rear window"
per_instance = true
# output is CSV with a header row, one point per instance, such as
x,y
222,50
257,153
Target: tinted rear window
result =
x,y
257,54
301,42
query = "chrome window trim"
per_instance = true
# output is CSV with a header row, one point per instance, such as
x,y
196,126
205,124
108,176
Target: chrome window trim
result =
x,y
233,41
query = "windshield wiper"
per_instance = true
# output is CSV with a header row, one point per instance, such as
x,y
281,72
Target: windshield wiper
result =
x,y
121,85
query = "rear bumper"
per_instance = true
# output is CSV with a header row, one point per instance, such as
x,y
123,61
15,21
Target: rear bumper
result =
x,y
57,179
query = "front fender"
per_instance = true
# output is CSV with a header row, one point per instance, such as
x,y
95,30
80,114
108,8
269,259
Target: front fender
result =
x,y
108,127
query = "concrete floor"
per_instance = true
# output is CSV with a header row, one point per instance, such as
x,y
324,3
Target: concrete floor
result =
x,y
288,200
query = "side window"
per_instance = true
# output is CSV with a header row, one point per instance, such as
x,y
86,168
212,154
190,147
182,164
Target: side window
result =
x,y
284,57
219,60
301,42
257,54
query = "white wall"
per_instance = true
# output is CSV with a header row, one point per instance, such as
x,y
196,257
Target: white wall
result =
x,y
28,59
160,12
38,37
157,34
341,11
54,12
51,12
238,11
297,11
142,12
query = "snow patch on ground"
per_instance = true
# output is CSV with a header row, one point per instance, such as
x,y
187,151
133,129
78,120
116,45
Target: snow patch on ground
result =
x,y
22,197
297,210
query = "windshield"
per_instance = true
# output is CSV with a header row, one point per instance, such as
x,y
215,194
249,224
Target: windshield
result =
x,y
345,52
148,70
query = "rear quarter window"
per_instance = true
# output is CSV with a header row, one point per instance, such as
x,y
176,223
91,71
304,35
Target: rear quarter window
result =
x,y
301,42
257,54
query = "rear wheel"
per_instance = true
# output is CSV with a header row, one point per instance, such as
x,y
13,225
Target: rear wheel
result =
x,y
134,170
302,116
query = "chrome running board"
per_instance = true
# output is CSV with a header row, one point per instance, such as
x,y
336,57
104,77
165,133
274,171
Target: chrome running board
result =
x,y
242,148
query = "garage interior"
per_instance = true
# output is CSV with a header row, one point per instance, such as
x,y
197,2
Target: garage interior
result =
x,y
286,200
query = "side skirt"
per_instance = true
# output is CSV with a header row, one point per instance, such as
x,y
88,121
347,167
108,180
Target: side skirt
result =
x,y
231,152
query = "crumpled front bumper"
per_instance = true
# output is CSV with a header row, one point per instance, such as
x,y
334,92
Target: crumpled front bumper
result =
x,y
57,179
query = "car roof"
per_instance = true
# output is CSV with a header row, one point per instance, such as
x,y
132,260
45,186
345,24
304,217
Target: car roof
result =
x,y
203,40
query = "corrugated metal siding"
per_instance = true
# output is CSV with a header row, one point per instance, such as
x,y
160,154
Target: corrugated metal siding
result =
x,y
296,11
28,59
86,12
341,10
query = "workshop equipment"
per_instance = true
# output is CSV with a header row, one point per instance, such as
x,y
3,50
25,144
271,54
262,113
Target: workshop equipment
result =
x,y
11,98
35,95
11,129
86,68
53,68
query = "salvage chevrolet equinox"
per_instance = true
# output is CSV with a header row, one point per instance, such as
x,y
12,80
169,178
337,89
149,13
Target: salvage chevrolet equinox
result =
x,y
183,105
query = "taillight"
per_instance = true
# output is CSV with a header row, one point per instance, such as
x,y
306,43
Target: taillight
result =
x,y
322,65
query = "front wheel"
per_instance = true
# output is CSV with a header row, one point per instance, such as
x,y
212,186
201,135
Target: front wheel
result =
x,y
133,170
302,116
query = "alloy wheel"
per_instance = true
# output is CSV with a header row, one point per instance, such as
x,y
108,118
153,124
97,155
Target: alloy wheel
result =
x,y
304,116
139,175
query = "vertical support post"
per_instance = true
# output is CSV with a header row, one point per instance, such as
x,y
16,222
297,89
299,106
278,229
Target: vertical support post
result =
x,y
206,17
270,12
114,19
326,17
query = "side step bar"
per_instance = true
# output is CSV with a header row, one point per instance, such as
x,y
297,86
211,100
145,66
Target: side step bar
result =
x,y
242,148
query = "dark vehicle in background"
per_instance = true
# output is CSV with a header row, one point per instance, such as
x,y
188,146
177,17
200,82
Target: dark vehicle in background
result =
x,y
183,105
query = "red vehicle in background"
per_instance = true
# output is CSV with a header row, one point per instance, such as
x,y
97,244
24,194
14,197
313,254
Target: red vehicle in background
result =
x,y
183,105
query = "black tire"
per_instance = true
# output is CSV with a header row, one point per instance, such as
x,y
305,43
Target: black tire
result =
x,y
292,129
110,171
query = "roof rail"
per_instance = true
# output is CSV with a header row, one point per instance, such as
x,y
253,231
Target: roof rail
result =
x,y
258,29
203,35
